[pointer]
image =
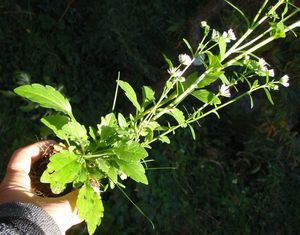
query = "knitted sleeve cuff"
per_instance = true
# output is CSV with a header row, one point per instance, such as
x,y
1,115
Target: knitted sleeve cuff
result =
x,y
28,218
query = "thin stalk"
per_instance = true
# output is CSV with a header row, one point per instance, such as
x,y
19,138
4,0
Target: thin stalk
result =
x,y
254,40
192,119
116,92
161,100
261,44
249,31
260,11
97,155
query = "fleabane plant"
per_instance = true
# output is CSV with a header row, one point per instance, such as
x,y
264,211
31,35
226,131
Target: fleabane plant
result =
x,y
101,157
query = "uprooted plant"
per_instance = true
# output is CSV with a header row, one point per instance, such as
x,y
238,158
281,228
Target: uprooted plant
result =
x,y
95,158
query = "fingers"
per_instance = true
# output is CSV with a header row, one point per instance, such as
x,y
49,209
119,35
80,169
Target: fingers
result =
x,y
22,158
71,198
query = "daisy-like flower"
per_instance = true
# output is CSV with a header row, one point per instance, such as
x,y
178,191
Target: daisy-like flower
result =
x,y
285,80
174,72
204,24
271,73
224,91
229,36
262,64
184,59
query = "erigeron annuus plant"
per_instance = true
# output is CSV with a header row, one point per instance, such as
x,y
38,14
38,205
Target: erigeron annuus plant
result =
x,y
117,147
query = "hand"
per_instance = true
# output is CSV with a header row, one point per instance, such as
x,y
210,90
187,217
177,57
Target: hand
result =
x,y
16,186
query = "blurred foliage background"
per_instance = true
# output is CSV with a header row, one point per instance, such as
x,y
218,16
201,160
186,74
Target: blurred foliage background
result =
x,y
241,175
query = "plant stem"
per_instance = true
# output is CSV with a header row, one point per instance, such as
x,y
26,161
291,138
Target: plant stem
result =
x,y
192,119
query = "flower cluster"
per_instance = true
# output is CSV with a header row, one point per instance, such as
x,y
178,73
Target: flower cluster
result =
x,y
224,91
229,36
285,81
185,59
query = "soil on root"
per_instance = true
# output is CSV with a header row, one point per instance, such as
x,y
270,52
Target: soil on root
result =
x,y
37,169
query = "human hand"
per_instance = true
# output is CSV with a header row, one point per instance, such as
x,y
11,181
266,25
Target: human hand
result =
x,y
16,187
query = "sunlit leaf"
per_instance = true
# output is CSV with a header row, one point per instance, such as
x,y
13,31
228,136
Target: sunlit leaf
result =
x,y
210,78
177,114
55,123
130,93
164,139
206,96
90,207
148,96
63,168
45,96
134,170
131,152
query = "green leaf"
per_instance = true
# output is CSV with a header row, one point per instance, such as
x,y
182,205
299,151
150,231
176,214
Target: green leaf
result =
x,y
177,114
152,125
214,61
55,123
192,132
210,78
224,79
113,176
164,139
130,93
222,47
188,45
45,96
90,207
239,11
278,30
269,96
66,129
63,168
190,80
206,96
135,170
122,121
148,96
92,133
109,120
75,131
107,129
103,165
168,61
131,152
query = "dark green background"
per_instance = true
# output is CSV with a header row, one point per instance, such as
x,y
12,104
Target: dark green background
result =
x,y
241,175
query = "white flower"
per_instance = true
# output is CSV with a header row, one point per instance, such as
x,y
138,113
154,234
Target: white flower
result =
x,y
276,88
224,91
215,35
204,24
285,80
184,59
262,63
174,72
271,73
123,176
229,36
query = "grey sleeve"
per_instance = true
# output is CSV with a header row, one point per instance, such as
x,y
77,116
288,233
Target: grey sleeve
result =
x,y
26,218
